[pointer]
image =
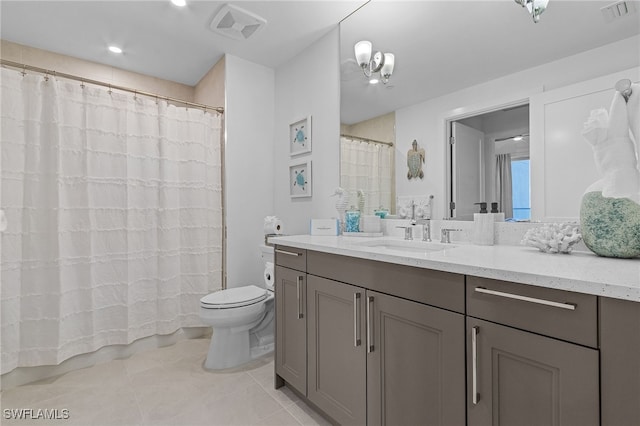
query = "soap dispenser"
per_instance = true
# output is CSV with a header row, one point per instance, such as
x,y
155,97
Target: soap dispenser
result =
x,y
483,226
497,216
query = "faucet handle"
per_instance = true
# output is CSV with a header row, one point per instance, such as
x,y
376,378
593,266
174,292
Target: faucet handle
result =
x,y
445,236
408,232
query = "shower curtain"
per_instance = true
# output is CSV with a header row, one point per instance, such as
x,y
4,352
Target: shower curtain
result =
x,y
504,191
115,218
368,167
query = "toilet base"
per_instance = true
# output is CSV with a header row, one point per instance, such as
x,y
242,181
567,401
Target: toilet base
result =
x,y
233,346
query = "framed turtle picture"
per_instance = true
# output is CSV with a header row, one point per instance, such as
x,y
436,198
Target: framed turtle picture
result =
x,y
300,137
300,179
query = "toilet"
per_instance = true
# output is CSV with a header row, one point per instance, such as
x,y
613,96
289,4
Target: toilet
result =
x,y
242,320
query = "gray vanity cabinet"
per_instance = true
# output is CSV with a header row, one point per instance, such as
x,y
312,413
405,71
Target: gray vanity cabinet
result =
x,y
378,359
620,361
415,363
337,369
520,372
291,320
522,378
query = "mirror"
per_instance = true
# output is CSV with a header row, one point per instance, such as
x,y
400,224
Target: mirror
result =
x,y
442,48
489,162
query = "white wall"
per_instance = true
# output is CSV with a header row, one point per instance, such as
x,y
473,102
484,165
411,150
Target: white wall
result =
x,y
425,121
249,166
309,84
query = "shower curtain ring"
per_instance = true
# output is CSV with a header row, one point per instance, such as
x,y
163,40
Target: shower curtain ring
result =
x,y
135,95
82,83
109,91
24,70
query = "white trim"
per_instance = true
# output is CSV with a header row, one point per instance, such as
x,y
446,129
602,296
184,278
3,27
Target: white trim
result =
x,y
520,98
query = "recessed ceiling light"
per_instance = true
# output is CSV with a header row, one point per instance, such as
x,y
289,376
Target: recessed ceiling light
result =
x,y
374,81
115,49
179,3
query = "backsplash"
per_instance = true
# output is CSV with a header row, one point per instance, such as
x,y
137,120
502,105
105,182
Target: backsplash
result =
x,y
505,233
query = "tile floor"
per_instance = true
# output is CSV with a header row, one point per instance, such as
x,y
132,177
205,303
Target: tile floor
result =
x,y
165,386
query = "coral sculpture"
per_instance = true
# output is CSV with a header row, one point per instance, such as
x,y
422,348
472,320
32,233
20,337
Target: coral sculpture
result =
x,y
553,237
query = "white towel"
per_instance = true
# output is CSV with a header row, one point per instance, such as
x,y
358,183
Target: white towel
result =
x,y
614,151
633,114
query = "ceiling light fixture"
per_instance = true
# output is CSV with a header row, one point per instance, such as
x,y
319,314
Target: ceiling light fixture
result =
x,y
535,7
373,62
115,49
179,3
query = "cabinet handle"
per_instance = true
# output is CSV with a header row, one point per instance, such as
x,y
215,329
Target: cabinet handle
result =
x,y
290,253
474,365
356,320
569,306
369,321
298,291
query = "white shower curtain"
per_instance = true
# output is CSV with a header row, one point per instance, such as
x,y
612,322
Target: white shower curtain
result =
x,y
115,218
368,167
503,187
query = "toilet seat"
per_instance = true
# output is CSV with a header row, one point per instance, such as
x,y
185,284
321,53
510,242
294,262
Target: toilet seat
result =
x,y
234,297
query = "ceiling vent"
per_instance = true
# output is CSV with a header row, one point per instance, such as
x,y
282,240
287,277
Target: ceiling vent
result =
x,y
236,23
618,10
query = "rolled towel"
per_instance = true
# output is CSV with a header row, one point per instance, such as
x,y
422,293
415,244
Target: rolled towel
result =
x,y
614,151
633,114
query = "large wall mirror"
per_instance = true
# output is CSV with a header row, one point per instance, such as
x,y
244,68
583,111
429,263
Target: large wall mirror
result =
x,y
440,48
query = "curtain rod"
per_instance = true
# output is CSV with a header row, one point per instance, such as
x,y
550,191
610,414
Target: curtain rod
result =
x,y
366,140
45,71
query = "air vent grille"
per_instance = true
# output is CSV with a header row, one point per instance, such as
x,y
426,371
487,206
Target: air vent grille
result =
x,y
617,10
236,23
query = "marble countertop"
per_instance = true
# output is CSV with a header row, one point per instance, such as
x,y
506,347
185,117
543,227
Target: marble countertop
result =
x,y
582,272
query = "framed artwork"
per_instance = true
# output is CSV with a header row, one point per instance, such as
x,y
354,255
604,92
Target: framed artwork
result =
x,y
300,137
300,179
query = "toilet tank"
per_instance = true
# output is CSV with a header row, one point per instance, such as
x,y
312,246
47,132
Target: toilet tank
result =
x,y
266,252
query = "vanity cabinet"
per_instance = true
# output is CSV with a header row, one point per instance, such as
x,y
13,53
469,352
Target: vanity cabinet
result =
x,y
376,358
415,363
532,355
291,319
620,361
337,364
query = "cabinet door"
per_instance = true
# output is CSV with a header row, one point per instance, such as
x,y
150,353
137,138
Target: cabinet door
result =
x,y
291,327
521,378
415,364
337,360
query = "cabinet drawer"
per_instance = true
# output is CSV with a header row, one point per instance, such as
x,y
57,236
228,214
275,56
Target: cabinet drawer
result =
x,y
436,288
290,257
557,313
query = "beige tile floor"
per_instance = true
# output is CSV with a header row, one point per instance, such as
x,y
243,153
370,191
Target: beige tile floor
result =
x,y
165,386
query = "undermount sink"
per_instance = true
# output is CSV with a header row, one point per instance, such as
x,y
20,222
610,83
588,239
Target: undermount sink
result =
x,y
412,246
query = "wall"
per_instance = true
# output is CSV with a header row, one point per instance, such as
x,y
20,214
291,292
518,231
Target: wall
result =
x,y
426,121
249,166
66,64
381,128
210,89
309,84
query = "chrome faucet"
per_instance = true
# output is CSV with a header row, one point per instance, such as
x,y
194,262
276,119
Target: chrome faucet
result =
x,y
408,231
445,236
426,229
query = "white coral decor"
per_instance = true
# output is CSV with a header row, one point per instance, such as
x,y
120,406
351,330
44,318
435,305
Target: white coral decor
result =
x,y
553,237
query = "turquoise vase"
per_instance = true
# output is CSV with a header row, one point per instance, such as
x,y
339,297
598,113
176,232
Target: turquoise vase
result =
x,y
610,227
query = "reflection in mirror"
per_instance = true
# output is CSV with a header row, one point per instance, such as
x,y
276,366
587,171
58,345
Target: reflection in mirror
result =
x,y
490,163
452,56
367,162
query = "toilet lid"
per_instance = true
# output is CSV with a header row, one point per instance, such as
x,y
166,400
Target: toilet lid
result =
x,y
234,297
